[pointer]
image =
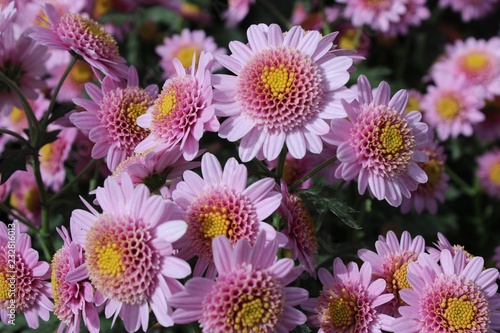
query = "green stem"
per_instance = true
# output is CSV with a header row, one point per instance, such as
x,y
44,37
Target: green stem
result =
x,y
279,16
460,182
263,168
17,215
326,27
93,181
357,37
47,246
280,169
17,136
70,183
314,171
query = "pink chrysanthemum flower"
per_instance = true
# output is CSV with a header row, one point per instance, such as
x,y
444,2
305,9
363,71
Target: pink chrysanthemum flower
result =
x,y
25,197
300,230
452,106
72,297
489,129
155,168
471,9
477,59
444,244
379,145
347,39
390,263
237,10
488,172
286,86
453,296
249,293
183,47
128,251
23,288
85,37
428,194
377,14
220,203
414,100
416,12
110,118
7,16
33,11
349,301
183,111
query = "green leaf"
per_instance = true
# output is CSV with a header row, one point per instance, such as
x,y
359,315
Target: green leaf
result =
x,y
11,160
49,137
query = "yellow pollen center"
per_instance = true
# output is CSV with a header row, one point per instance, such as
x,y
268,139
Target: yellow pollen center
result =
x,y
31,200
448,108
81,72
432,168
47,152
214,222
185,56
475,62
109,260
251,314
459,313
134,110
495,173
278,80
342,312
4,287
55,284
399,280
167,104
391,141
346,40
412,105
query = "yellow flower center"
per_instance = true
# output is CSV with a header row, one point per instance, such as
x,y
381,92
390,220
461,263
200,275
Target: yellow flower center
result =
x,y
412,105
17,114
101,7
391,140
342,312
214,222
448,107
346,40
55,283
459,313
5,287
97,30
109,260
277,79
495,173
399,280
167,104
475,62
32,199
81,72
185,56
251,314
47,152
432,169
133,111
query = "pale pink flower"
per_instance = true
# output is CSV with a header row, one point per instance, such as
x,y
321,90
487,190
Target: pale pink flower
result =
x,y
237,10
7,16
25,197
287,86
414,100
444,244
416,12
183,111
183,47
250,293
379,145
349,301
73,295
220,203
84,36
390,262
110,118
452,296
33,11
471,9
347,40
488,172
128,252
28,276
378,14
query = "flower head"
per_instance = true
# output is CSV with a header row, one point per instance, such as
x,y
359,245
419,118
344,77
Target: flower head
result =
x,y
249,293
7,16
349,300
237,10
183,111
129,253
23,273
25,196
379,145
488,172
85,37
286,86
220,203
416,12
470,9
453,296
444,244
390,263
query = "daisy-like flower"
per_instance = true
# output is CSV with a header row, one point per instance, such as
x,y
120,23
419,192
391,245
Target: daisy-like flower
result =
x,y
416,12
249,293
23,288
470,9
379,145
183,111
128,252
110,118
72,297
477,59
489,129
300,230
488,172
85,37
347,40
414,100
220,203
390,263
237,10
444,244
183,47
377,14
349,301
428,194
286,87
452,106
454,296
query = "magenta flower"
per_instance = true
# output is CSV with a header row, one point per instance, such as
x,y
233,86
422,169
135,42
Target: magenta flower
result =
x,y
183,111
237,10
287,86
22,278
7,16
453,296
220,203
85,37
488,172
379,145
390,262
471,9
110,118
378,15
249,293
128,252
349,301
73,295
